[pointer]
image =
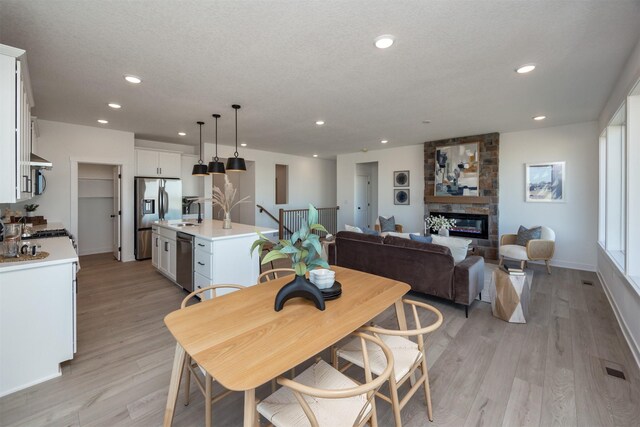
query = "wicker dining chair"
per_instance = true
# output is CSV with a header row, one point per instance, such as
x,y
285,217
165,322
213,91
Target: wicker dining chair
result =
x,y
323,396
203,380
408,357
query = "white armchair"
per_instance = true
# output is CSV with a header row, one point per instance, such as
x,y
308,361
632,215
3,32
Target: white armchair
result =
x,y
541,249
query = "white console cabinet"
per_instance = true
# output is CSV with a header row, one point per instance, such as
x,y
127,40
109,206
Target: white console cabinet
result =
x,y
16,101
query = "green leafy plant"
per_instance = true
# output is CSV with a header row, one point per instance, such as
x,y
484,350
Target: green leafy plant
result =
x,y
303,248
31,208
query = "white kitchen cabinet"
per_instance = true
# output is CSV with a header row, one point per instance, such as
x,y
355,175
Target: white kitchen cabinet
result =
x,y
167,253
16,101
153,163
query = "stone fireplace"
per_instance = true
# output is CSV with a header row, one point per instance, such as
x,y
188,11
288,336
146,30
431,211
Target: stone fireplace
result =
x,y
485,205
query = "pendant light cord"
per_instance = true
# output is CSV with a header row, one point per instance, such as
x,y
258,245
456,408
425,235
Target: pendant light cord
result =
x,y
236,152
200,159
216,157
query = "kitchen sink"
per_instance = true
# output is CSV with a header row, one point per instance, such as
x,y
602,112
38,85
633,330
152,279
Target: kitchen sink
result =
x,y
186,224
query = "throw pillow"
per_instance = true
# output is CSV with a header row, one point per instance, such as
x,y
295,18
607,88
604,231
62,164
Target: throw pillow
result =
x,y
458,246
419,238
387,224
352,228
524,235
368,230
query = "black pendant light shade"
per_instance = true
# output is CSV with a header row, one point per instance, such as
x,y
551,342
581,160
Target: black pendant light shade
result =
x,y
216,166
235,163
200,169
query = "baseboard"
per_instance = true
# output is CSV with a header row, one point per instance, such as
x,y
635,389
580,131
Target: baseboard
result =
x,y
32,383
568,264
633,345
95,251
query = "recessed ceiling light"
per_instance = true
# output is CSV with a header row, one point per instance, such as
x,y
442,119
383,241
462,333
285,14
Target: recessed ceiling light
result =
x,y
384,141
132,79
320,122
114,105
182,134
244,144
315,155
539,118
384,41
102,121
426,122
524,69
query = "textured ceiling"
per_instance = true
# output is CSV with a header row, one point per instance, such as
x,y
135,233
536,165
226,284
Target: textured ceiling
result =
x,y
289,63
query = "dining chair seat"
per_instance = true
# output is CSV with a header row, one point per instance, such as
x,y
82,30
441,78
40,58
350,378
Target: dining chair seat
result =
x,y
282,409
405,354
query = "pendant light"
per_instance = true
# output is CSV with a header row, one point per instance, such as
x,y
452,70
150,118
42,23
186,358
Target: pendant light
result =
x,y
216,166
236,164
200,169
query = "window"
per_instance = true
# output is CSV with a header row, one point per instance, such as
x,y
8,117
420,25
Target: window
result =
x,y
619,190
282,184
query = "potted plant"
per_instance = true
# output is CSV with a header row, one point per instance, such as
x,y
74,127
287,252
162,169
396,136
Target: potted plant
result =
x,y
30,209
303,249
440,224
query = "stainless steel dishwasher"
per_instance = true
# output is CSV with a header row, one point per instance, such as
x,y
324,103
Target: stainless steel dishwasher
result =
x,y
184,260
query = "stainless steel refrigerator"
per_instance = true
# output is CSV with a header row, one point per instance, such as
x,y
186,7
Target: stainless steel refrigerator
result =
x,y
156,199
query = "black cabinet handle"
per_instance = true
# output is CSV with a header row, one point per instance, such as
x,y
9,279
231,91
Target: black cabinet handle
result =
x,y
200,244
166,246
156,242
200,263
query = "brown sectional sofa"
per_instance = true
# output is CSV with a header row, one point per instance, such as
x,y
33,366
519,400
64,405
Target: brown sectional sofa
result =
x,y
428,268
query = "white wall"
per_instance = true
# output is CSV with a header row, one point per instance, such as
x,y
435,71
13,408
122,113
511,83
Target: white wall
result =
x,y
575,221
65,145
389,160
311,180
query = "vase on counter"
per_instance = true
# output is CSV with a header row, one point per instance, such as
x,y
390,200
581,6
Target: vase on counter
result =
x,y
226,222
443,232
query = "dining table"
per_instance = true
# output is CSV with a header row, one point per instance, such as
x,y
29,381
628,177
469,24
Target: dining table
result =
x,y
243,343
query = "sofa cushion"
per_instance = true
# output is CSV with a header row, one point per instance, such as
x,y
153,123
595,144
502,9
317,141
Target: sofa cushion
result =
x,y
422,239
352,228
367,230
458,246
526,234
413,244
387,224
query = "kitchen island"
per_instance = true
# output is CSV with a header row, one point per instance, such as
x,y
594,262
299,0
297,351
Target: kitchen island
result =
x,y
37,315
219,256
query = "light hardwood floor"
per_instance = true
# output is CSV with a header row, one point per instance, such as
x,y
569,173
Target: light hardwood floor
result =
x,y
550,371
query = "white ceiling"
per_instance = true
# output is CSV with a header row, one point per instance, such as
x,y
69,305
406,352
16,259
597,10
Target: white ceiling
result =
x,y
289,63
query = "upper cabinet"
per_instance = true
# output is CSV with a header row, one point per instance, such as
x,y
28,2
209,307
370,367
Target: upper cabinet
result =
x,y
153,163
16,101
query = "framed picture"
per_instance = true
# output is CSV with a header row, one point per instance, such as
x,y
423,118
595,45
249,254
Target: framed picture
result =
x,y
401,196
545,182
457,170
401,179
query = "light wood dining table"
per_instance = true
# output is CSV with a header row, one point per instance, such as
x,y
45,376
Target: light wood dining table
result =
x,y
242,342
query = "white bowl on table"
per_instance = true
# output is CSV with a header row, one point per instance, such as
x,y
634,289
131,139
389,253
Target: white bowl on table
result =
x,y
322,278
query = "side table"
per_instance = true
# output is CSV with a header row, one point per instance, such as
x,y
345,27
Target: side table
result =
x,y
510,296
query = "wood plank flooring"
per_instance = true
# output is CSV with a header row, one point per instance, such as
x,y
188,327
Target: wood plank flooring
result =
x,y
550,371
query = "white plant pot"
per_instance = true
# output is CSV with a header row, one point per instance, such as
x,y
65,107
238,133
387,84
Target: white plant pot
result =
x,y
443,232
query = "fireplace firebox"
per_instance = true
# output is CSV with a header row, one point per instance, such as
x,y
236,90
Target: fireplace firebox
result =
x,y
475,226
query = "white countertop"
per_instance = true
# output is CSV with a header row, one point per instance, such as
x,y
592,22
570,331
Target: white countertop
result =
x,y
211,229
60,252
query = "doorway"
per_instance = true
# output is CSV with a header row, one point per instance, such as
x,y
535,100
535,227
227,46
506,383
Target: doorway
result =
x,y
366,194
99,209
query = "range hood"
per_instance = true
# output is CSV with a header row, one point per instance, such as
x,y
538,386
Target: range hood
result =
x,y
38,162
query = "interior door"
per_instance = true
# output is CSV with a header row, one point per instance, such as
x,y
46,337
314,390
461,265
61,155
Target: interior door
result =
x,y
116,215
361,207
